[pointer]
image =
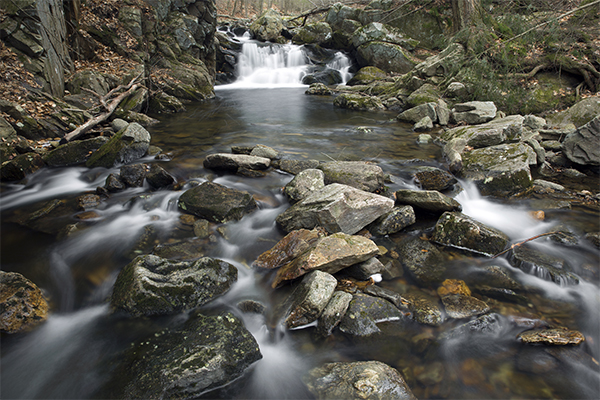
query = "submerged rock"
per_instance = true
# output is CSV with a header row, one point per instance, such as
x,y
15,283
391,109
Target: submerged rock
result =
x,y
22,304
462,306
152,285
422,260
337,208
358,102
459,230
217,203
330,254
310,299
543,265
357,380
205,354
552,336
426,309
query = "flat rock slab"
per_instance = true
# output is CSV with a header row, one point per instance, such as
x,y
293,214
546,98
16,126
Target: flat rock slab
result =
x,y
428,200
459,230
330,254
553,336
357,380
358,174
287,249
205,354
310,299
337,208
217,203
232,162
151,285
474,112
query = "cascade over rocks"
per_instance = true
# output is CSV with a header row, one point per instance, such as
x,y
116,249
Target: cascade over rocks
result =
x,y
152,285
336,208
545,266
357,380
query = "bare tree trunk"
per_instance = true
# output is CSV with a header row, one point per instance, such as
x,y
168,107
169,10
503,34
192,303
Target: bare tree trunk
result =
x,y
463,12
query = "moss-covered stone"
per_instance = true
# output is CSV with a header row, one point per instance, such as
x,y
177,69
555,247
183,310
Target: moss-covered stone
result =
x,y
73,153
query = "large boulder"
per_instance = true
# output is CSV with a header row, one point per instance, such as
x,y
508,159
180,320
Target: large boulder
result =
x,y
367,75
127,145
441,64
459,230
337,208
310,299
357,380
386,56
358,102
22,304
151,285
217,203
376,31
578,115
338,13
474,112
417,113
330,254
492,133
205,354
358,174
21,166
268,26
583,145
73,153
317,33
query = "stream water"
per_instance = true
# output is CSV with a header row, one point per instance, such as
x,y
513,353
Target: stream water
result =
x,y
72,354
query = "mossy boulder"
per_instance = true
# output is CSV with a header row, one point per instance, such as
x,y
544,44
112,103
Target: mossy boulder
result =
x,y
268,26
339,13
386,56
73,153
21,166
318,33
427,93
579,114
358,102
367,75
442,63
152,285
127,145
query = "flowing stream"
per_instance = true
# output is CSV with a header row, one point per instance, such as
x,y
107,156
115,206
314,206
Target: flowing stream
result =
x,y
71,355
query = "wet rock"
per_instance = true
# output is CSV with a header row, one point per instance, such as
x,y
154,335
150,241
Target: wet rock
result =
x,y
393,221
358,102
158,177
364,270
338,13
232,162
459,230
334,312
552,336
364,312
73,153
303,184
387,294
317,33
474,112
287,249
501,294
187,249
422,260
549,185
430,374
494,276
124,147
88,201
432,178
453,286
21,166
22,304
163,103
416,114
151,285
428,200
367,75
543,265
500,170
337,208
488,324
260,150
295,166
583,145
201,228
216,203
268,26
114,183
441,63
310,298
318,89
251,307
133,175
358,174
205,354
535,361
389,57
460,306
593,238
426,309
330,254
357,380
424,124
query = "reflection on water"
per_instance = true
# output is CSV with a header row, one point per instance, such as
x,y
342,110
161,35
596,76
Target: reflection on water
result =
x,y
70,355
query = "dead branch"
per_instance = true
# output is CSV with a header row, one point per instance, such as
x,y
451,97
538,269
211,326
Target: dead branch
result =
x,y
525,241
526,75
110,108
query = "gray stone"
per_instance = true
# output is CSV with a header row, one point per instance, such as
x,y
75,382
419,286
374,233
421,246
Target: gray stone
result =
x,y
125,146
460,306
232,162
318,89
393,221
358,174
310,299
318,33
474,112
386,56
151,285
441,63
295,166
158,177
216,203
268,26
131,18
7,132
338,13
113,183
334,312
133,175
428,200
287,249
377,31
364,312
87,79
358,102
117,124
423,124
583,145
363,270
432,178
459,230
577,115
304,184
540,153
367,75
422,260
357,380
452,151
260,150
534,123
387,294
206,353
417,113
426,93
443,112
456,89
337,208
73,153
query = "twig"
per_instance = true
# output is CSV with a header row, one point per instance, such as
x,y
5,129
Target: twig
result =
x,y
524,241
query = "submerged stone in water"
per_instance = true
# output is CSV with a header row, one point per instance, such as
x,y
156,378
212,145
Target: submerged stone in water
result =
x,y
357,380
461,306
543,265
425,309
152,285
554,336
422,260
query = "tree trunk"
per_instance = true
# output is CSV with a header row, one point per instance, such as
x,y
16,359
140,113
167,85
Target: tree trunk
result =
x,y
463,12
54,41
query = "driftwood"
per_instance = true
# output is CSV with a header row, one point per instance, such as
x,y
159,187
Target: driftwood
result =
x,y
524,241
109,107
